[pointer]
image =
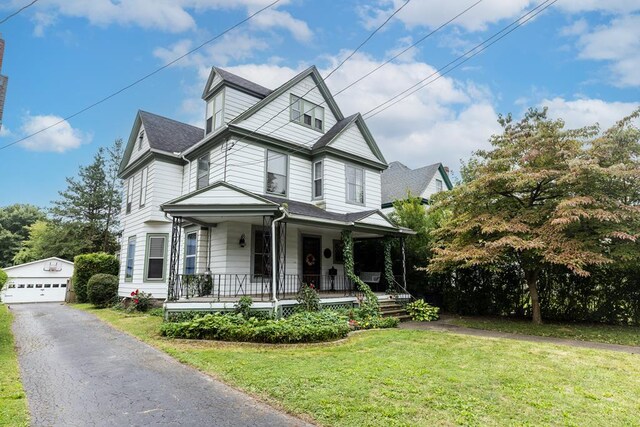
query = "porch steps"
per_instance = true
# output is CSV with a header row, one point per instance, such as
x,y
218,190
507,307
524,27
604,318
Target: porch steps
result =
x,y
390,308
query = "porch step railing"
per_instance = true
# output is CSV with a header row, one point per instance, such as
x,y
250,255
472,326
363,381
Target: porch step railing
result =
x,y
220,287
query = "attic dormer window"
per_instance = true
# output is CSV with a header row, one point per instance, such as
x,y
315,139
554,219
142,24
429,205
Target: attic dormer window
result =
x,y
307,113
215,112
140,138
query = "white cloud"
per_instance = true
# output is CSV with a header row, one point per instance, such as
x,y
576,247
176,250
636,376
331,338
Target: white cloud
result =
x,y
617,43
585,112
59,138
275,18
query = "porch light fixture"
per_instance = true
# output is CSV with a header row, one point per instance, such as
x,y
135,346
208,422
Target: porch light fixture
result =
x,y
242,241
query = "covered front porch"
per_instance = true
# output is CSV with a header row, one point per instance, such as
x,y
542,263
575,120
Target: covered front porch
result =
x,y
227,243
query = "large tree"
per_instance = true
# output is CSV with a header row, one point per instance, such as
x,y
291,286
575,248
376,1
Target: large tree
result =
x,y
91,201
14,222
544,195
49,239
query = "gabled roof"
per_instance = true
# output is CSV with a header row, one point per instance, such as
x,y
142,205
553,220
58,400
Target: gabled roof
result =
x,y
236,81
317,78
53,258
336,130
398,180
164,134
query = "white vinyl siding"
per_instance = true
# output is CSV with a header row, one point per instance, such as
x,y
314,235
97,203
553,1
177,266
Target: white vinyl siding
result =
x,y
277,167
140,145
352,141
131,253
215,112
317,180
236,102
355,184
203,171
144,178
129,195
438,185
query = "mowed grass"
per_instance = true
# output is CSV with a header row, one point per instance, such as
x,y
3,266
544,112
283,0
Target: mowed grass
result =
x,y
13,401
611,334
419,378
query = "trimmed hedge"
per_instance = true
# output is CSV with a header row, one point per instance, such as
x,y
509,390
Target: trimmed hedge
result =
x,y
299,328
102,289
87,265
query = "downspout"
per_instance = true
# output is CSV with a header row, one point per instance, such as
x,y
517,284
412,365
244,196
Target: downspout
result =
x,y
179,154
274,261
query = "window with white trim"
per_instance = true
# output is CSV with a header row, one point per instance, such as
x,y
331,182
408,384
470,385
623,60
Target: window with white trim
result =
x,y
438,185
215,112
355,184
203,172
307,113
131,253
318,174
277,173
190,253
129,194
156,245
144,177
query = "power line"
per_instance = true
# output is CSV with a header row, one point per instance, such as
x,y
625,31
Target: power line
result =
x,y
157,70
518,23
18,11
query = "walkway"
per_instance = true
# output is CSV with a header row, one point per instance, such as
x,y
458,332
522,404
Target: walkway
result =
x,y
443,326
77,371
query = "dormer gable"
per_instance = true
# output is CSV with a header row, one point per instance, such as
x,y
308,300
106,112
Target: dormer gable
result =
x,y
219,77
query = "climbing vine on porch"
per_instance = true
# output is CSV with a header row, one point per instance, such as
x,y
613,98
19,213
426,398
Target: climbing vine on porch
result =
x,y
388,266
370,299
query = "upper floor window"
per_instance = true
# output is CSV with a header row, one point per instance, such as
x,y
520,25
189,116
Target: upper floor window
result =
x,y
203,172
317,179
307,113
144,177
355,184
438,185
131,252
276,173
129,194
215,107
190,253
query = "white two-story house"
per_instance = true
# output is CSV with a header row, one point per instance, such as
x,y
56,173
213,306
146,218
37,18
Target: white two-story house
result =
x,y
254,203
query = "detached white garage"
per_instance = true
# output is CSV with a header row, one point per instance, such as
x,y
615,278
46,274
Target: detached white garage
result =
x,y
38,281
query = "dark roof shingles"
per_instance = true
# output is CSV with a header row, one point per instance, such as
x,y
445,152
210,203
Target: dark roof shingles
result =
x,y
308,209
242,82
169,135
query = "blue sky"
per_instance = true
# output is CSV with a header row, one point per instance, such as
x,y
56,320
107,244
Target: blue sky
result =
x,y
579,57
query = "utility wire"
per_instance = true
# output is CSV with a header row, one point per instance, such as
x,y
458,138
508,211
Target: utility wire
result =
x,y
518,23
157,70
5,19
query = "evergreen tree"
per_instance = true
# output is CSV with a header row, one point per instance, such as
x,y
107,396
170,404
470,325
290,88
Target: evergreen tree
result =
x,y
14,222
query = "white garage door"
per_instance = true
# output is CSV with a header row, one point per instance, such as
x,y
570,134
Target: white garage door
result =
x,y
34,292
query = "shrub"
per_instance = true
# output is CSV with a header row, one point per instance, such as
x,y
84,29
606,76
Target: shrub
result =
x,y
361,318
86,266
139,301
422,312
298,328
102,289
243,307
3,278
308,298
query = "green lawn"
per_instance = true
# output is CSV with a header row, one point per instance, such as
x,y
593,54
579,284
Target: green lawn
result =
x,y
626,335
412,378
13,402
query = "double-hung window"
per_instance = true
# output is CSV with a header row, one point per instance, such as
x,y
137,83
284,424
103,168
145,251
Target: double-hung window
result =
x,y
318,173
131,253
307,113
129,194
203,172
190,253
355,184
144,177
261,240
156,248
438,185
276,173
215,112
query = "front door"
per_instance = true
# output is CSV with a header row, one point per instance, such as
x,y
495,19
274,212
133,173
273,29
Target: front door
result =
x,y
311,247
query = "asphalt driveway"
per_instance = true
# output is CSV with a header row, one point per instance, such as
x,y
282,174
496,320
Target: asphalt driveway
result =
x,y
77,371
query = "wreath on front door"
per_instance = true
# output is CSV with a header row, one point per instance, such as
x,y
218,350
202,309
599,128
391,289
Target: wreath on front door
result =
x,y
310,260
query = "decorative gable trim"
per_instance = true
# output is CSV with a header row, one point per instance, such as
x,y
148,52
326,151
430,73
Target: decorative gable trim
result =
x,y
321,86
186,200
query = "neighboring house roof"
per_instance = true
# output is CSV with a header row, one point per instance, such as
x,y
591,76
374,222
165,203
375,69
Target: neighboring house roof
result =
x,y
169,135
399,180
53,258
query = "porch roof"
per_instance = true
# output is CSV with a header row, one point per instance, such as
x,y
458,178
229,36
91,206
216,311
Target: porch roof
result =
x,y
222,200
